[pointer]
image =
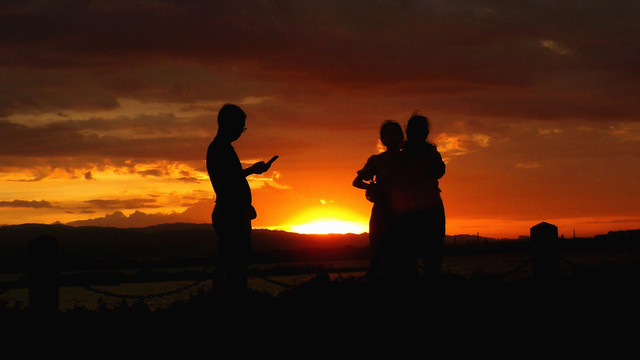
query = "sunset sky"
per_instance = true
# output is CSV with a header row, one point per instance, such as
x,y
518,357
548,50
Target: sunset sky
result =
x,y
107,108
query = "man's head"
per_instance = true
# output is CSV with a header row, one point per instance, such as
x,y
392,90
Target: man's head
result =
x,y
231,122
417,128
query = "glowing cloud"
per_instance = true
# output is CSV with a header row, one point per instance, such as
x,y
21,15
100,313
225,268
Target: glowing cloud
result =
x,y
528,165
556,47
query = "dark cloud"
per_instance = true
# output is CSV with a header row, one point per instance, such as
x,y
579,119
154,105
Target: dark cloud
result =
x,y
40,175
119,219
152,172
122,203
142,49
42,204
39,91
80,146
188,177
59,139
198,212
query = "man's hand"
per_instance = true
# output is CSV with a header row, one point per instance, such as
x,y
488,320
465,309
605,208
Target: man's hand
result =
x,y
260,167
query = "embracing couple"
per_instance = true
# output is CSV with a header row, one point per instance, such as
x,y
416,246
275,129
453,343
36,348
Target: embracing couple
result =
x,y
407,219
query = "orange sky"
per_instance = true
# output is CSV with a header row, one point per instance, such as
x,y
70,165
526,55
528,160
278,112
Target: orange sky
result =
x,y
107,108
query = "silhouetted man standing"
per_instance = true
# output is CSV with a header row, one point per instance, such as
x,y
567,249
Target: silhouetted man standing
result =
x,y
233,211
422,208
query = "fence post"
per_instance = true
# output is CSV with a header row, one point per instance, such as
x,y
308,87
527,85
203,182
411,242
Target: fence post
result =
x,y
43,275
545,252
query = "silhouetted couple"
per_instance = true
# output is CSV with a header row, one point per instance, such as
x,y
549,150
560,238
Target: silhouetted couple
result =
x,y
233,212
407,218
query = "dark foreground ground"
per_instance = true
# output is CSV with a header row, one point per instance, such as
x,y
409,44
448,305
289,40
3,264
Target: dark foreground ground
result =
x,y
589,313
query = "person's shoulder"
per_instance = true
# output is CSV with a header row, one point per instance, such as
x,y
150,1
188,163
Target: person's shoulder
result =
x,y
389,155
374,158
218,149
432,151
432,147
425,149
370,165
416,147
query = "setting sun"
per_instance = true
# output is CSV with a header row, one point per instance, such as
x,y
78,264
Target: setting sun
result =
x,y
330,227
327,219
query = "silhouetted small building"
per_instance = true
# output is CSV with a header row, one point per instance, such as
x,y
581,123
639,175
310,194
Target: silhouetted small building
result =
x,y
545,251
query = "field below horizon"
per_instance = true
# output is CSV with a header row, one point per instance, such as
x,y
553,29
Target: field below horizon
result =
x,y
280,261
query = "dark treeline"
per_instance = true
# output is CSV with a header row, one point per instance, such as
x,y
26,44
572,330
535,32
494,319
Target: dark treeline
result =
x,y
166,245
182,245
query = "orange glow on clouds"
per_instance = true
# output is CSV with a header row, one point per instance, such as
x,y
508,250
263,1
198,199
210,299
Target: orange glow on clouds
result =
x,y
88,139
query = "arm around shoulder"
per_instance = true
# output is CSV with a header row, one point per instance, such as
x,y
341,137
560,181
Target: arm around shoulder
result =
x,y
360,183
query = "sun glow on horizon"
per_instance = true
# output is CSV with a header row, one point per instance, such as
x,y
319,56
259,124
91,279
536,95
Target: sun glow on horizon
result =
x,y
327,219
329,226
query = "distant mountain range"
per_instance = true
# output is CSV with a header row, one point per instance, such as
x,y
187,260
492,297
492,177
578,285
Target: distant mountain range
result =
x,y
180,238
167,242
107,246
185,233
